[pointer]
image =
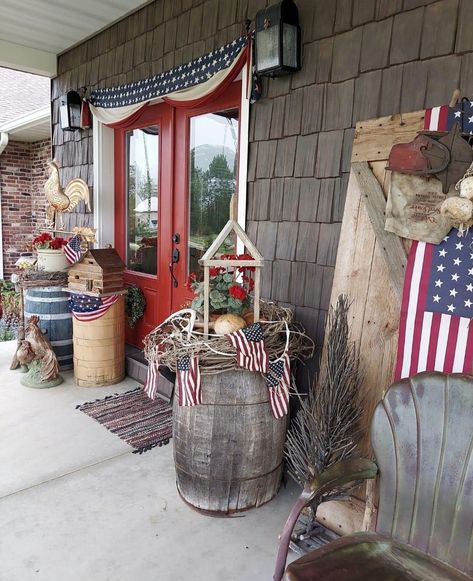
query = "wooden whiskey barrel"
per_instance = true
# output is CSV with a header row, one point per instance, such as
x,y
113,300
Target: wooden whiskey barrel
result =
x,y
52,307
99,348
228,451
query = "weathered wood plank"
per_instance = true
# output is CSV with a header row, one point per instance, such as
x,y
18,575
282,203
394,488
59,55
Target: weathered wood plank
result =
x,y
390,244
375,138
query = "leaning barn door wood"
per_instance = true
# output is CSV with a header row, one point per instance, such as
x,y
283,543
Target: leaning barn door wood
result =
x,y
370,270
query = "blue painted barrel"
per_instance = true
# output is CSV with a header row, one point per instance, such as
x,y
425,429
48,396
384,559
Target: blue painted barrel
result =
x,y
51,305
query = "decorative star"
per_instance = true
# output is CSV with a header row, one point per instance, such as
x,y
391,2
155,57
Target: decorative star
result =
x,y
453,292
450,308
470,271
442,253
439,283
458,245
470,119
440,268
469,287
436,298
455,276
457,262
457,114
468,303
471,103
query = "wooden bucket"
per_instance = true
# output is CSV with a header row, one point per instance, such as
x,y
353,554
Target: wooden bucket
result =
x,y
228,451
99,348
52,307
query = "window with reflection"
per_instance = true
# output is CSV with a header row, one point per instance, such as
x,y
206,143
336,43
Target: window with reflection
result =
x,y
212,180
142,195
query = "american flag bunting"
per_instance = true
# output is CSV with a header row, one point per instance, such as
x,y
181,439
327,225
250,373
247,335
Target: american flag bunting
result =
x,y
435,331
87,308
72,250
188,381
249,345
278,380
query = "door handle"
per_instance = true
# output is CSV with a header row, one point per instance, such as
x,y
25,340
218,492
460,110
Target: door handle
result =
x,y
174,260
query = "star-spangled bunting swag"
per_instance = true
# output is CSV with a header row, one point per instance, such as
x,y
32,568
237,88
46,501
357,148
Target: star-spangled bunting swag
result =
x,y
442,118
183,77
72,250
87,308
436,329
151,385
188,381
278,380
249,345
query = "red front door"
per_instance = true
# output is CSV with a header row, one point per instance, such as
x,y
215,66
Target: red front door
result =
x,y
175,170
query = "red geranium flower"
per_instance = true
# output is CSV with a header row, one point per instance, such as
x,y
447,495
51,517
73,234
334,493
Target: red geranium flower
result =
x,y
215,270
237,292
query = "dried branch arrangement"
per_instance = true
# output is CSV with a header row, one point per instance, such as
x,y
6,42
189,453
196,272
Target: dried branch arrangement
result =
x,y
29,278
326,429
169,343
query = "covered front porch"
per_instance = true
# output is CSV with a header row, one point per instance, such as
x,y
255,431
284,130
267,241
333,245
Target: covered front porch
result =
x,y
77,504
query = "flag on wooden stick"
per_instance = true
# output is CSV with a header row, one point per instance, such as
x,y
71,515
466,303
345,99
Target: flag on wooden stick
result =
x,y
278,380
72,250
435,331
151,385
249,345
188,381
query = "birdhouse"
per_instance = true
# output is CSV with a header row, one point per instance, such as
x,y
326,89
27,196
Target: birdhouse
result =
x,y
100,272
210,259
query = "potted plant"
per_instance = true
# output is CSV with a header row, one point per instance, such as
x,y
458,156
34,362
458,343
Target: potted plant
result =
x,y
230,289
50,251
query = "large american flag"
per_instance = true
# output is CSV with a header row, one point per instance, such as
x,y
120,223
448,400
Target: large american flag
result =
x,y
442,118
87,308
278,380
188,381
72,250
435,332
249,345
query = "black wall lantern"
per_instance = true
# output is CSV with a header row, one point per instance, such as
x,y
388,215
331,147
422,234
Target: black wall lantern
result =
x,y
70,111
278,40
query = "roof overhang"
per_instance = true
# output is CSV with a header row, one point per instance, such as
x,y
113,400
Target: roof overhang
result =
x,y
33,126
34,32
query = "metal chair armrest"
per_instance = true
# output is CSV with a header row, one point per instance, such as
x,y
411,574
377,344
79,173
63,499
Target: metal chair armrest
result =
x,y
338,474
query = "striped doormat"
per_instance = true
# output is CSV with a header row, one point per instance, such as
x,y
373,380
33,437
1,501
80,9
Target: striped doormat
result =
x,y
143,423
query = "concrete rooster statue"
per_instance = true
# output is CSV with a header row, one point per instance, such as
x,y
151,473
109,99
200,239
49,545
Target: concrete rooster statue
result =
x,y
36,354
63,200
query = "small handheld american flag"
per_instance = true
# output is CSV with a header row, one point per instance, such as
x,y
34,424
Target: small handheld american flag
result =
x,y
249,345
278,380
442,118
72,250
151,385
188,381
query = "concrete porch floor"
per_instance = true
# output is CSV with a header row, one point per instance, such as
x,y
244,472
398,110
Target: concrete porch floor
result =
x,y
77,505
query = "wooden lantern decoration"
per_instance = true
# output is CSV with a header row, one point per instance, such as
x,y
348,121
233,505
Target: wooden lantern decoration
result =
x,y
208,261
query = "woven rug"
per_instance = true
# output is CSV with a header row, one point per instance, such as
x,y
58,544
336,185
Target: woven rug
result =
x,y
132,416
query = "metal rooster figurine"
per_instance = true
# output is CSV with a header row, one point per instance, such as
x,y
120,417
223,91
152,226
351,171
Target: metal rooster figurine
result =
x,y
63,200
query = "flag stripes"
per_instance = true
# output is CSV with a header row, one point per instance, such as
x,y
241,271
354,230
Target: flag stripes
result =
x,y
188,381
151,385
87,308
278,380
249,345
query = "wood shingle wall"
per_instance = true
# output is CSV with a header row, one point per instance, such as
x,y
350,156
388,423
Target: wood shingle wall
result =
x,y
361,59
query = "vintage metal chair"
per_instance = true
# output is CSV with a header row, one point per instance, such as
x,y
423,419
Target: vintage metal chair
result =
x,y
422,437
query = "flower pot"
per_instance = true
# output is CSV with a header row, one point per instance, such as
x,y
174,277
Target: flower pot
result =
x,y
51,260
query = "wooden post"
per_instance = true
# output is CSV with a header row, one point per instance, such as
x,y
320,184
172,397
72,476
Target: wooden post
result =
x,y
256,294
206,300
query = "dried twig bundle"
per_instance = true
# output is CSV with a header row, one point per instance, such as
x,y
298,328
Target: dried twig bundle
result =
x,y
327,426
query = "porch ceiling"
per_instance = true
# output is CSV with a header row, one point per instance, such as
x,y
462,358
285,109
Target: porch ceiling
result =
x,y
34,32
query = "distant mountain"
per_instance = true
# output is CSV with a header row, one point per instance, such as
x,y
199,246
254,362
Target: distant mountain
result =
x,y
204,154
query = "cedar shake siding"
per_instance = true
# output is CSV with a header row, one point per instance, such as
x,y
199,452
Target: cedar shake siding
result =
x,y
361,59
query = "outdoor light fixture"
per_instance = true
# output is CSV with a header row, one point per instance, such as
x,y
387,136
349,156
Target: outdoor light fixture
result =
x,y
70,111
278,40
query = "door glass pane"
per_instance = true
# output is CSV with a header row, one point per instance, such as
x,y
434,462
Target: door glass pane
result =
x,y
142,199
212,180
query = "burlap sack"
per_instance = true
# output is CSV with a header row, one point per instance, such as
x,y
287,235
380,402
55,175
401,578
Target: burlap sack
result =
x,y
413,208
